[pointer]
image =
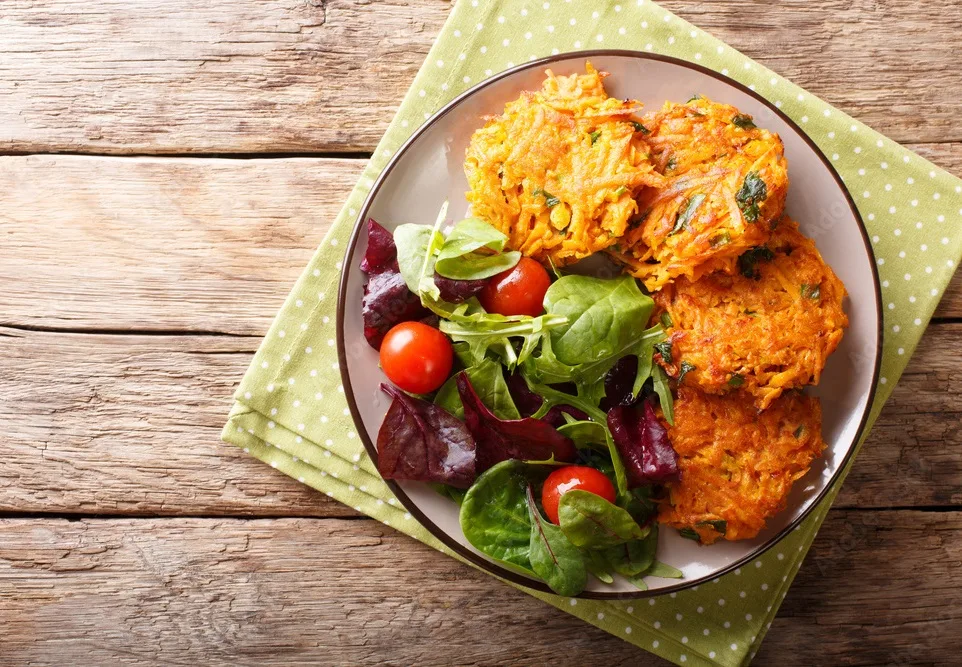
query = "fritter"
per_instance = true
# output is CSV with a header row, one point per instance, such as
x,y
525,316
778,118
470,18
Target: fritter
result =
x,y
768,328
727,182
737,465
558,172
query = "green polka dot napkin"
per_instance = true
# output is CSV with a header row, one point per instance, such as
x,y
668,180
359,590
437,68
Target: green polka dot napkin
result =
x,y
290,408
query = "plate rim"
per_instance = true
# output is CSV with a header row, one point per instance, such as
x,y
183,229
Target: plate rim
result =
x,y
466,553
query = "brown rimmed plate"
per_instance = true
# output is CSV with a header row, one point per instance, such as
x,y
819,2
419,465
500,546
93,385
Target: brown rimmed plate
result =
x,y
427,170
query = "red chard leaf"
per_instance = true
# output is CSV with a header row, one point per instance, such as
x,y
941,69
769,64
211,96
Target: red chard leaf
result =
x,y
619,382
528,403
387,300
643,444
498,440
421,442
458,291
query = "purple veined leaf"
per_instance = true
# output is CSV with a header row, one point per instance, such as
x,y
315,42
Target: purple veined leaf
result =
x,y
619,382
528,403
643,444
387,300
381,254
458,291
497,440
421,442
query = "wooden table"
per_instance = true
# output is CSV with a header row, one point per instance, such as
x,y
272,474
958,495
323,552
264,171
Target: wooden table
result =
x,y
169,166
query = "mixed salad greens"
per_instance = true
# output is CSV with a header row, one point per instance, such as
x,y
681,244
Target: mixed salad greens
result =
x,y
530,401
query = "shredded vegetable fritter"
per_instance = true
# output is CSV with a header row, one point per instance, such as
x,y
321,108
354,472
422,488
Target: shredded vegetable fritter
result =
x,y
558,172
727,182
737,465
768,328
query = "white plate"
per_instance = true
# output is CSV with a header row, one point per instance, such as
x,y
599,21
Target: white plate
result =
x,y
429,170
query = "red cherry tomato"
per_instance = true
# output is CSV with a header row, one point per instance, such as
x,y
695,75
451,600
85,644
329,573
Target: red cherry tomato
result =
x,y
416,357
565,479
517,291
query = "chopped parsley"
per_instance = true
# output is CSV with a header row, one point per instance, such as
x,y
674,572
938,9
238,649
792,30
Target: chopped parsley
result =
x,y
719,525
684,217
640,128
813,292
672,163
689,534
736,381
549,198
665,320
752,193
693,98
594,136
664,349
686,368
799,431
744,121
620,191
748,262
721,239
750,313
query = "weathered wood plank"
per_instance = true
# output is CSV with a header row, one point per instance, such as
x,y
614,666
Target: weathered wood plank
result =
x,y
100,76
203,591
114,424
176,244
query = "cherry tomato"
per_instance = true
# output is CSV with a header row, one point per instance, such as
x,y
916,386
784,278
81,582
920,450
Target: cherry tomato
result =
x,y
517,291
416,357
565,479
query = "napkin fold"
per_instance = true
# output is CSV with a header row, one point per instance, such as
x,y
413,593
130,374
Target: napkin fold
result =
x,y
290,409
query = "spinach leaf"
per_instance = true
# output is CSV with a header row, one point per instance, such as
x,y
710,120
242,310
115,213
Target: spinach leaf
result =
x,y
633,558
685,214
591,522
744,121
416,246
488,380
457,495
458,260
603,316
751,195
598,566
660,380
552,556
494,515
586,434
659,569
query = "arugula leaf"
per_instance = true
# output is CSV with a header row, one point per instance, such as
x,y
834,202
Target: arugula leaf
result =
x,y
488,381
552,556
484,331
494,515
752,193
458,260
683,221
591,522
744,121
660,381
659,569
685,369
813,292
549,199
748,261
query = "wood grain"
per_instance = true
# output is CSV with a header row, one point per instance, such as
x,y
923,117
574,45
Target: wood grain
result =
x,y
172,245
126,424
339,592
326,75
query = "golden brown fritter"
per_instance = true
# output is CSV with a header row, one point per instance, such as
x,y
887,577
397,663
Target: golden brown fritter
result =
x,y
727,182
769,328
737,465
559,170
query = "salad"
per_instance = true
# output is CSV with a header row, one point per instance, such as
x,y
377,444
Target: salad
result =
x,y
531,399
